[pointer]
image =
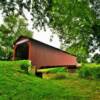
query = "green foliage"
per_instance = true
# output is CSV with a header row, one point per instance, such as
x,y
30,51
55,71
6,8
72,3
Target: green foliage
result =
x,y
76,24
79,51
25,66
96,72
12,28
96,7
36,8
91,71
96,58
85,72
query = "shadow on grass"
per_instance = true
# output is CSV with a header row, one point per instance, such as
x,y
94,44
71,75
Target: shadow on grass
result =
x,y
55,76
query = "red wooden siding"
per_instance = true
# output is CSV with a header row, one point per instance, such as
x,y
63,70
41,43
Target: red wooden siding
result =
x,y
43,55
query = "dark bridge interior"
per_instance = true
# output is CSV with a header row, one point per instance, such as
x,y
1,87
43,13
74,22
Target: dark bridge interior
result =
x,y
22,52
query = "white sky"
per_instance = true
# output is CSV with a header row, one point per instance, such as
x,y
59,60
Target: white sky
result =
x,y
43,36
1,18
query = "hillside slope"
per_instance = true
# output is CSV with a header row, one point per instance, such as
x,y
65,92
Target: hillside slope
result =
x,y
16,85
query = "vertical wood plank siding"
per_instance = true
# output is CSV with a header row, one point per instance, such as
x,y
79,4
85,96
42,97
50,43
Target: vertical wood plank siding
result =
x,y
43,55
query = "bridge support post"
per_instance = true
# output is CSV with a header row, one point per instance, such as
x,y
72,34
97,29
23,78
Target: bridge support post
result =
x,y
38,74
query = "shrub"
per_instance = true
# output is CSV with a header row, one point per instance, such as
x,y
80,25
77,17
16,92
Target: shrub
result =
x,y
85,72
91,72
25,66
96,72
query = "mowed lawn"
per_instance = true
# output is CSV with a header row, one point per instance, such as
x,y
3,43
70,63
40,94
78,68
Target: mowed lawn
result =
x,y
16,85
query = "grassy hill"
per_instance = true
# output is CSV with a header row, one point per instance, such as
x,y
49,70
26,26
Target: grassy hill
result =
x,y
16,85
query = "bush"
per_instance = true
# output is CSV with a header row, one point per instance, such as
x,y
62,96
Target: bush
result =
x,y
90,72
96,72
25,66
84,72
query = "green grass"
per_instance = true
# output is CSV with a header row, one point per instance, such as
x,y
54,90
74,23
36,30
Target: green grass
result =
x,y
91,65
16,85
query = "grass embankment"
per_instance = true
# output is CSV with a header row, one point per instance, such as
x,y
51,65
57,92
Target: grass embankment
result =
x,y
16,85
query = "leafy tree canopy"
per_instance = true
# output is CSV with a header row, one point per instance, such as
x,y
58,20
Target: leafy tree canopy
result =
x,y
78,25
77,22
38,9
96,58
12,28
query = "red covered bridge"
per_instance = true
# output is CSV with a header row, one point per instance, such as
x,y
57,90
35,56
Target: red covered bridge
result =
x,y
41,54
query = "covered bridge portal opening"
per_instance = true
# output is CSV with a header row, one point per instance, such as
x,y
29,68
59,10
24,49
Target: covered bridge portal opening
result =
x,y
22,52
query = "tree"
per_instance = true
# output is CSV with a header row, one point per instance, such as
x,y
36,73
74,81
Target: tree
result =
x,y
96,7
72,19
4,50
77,22
76,25
38,9
12,28
96,58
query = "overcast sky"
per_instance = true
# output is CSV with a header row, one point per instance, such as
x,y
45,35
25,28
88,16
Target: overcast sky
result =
x,y
43,36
